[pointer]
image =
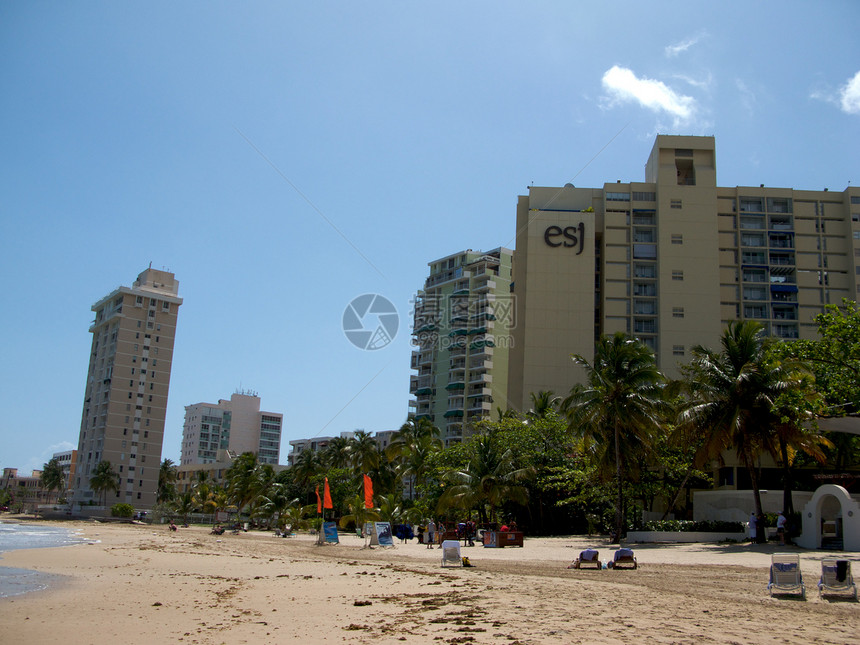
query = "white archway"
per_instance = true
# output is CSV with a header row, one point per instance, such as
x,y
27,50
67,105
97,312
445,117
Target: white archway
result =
x,y
831,503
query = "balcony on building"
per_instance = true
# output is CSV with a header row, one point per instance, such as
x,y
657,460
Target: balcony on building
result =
x,y
480,406
784,312
781,258
481,377
445,276
457,349
479,362
483,313
781,240
484,286
783,292
478,391
483,340
455,385
782,275
461,288
785,330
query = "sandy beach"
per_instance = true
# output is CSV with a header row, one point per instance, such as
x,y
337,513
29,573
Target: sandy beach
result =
x,y
144,584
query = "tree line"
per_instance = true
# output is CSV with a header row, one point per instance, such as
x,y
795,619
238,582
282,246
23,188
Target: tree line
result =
x,y
627,439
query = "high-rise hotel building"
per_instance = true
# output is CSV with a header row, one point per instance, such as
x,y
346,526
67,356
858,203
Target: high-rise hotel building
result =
x,y
462,327
671,261
125,400
237,425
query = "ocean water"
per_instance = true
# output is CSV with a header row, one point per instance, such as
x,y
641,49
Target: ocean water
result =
x,y
14,582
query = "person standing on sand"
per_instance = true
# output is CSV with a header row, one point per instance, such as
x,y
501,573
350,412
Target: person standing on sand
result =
x,y
431,529
752,527
780,527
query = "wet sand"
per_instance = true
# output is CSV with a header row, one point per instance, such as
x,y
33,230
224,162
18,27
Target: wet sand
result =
x,y
143,584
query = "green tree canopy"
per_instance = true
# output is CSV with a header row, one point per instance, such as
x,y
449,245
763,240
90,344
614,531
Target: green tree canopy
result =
x,y
104,479
619,410
52,477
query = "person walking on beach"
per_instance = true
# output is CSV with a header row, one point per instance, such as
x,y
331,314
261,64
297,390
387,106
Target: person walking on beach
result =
x,y
752,527
780,527
431,530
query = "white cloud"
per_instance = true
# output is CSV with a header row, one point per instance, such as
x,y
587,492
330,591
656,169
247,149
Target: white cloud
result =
x,y
684,45
623,86
746,96
849,95
38,461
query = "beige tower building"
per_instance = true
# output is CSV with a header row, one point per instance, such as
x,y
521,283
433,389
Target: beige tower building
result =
x,y
671,260
237,425
462,333
125,401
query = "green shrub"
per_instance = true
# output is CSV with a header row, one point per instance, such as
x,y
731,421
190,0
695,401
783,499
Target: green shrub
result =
x,y
687,526
122,510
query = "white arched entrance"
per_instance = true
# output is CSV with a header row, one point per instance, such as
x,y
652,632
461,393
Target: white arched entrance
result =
x,y
831,511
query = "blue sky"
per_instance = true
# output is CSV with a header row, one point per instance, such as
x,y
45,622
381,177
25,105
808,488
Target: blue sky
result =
x,y
284,158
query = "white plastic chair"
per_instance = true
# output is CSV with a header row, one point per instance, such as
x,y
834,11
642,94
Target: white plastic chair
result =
x,y
785,576
830,583
451,554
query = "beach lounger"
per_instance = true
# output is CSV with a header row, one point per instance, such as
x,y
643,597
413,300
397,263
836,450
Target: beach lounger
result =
x,y
785,576
587,558
451,554
623,559
836,578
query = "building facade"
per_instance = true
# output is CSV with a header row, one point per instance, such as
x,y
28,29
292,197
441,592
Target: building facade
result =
x,y
462,326
125,399
237,425
671,261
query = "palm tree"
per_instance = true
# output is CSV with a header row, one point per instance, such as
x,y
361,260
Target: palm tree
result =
x,y
202,491
104,479
543,402
274,504
619,408
185,505
791,413
306,467
358,513
411,446
490,478
732,397
337,453
166,482
296,515
242,480
52,477
416,459
365,452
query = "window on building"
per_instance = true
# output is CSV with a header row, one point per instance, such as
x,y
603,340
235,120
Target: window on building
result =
x,y
675,203
644,197
755,311
644,235
644,326
644,289
677,312
751,205
755,275
677,238
645,251
677,275
618,197
647,270
677,350
645,307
